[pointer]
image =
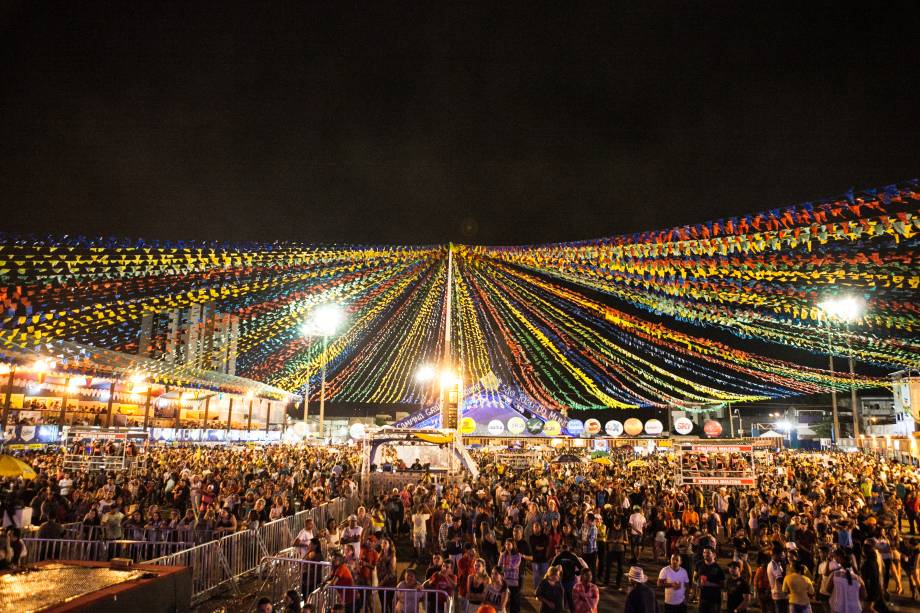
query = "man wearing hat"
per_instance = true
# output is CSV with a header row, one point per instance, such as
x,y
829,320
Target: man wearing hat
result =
x,y
641,598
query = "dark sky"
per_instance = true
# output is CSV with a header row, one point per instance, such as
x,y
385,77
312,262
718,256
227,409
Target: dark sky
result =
x,y
494,125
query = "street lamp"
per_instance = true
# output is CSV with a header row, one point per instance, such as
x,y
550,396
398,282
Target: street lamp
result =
x,y
846,309
448,381
426,373
324,322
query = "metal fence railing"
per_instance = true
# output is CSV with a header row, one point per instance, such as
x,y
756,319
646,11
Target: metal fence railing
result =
x,y
97,551
360,598
221,563
182,534
284,573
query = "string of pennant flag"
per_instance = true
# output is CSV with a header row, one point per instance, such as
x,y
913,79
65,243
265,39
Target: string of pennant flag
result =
x,y
617,322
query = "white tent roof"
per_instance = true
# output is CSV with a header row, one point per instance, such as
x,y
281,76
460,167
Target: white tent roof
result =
x,y
771,434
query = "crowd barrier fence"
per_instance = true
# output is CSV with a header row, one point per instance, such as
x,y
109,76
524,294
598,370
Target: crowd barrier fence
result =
x,y
39,550
221,563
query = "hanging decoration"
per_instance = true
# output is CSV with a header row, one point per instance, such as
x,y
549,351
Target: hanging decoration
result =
x,y
617,322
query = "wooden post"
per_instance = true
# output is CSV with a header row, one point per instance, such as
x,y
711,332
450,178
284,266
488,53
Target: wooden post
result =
x,y
249,420
64,403
207,405
108,409
6,402
268,416
229,413
147,406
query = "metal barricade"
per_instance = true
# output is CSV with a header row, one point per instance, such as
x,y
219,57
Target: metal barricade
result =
x,y
85,532
285,573
208,568
242,552
140,551
367,599
98,551
276,535
39,550
222,562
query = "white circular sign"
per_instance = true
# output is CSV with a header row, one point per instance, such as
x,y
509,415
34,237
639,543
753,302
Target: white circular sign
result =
x,y
683,426
496,427
356,430
516,425
614,427
654,427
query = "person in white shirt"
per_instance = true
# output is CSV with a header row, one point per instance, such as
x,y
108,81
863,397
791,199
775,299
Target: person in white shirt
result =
x,y
674,579
636,530
304,537
351,535
776,573
65,483
420,530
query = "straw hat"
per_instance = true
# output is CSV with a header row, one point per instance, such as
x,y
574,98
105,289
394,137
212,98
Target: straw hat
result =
x,y
637,574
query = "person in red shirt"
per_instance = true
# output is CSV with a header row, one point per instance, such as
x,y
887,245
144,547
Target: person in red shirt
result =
x,y
466,566
341,577
443,581
367,561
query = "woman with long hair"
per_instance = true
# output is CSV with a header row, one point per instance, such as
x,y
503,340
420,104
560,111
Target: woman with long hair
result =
x,y
510,562
845,586
386,573
476,585
497,593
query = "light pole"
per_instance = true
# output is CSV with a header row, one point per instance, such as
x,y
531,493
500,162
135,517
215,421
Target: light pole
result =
x,y
447,380
324,322
846,309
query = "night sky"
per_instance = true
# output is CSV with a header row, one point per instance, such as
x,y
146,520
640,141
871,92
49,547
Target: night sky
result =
x,y
430,124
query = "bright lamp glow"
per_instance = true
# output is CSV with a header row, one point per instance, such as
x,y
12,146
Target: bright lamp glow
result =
x,y
42,365
5,369
138,378
844,308
327,318
449,379
785,426
76,383
425,373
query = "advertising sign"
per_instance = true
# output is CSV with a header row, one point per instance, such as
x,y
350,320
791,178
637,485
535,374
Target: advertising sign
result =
x,y
575,427
712,428
552,428
516,425
654,427
683,426
613,428
593,426
633,427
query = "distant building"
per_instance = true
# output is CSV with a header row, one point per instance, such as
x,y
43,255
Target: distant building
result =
x,y
199,336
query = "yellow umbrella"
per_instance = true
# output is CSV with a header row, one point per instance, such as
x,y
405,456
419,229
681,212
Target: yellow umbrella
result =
x,y
602,461
11,467
637,464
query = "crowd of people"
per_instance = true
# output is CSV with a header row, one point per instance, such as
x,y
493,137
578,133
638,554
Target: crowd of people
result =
x,y
177,493
834,532
828,532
